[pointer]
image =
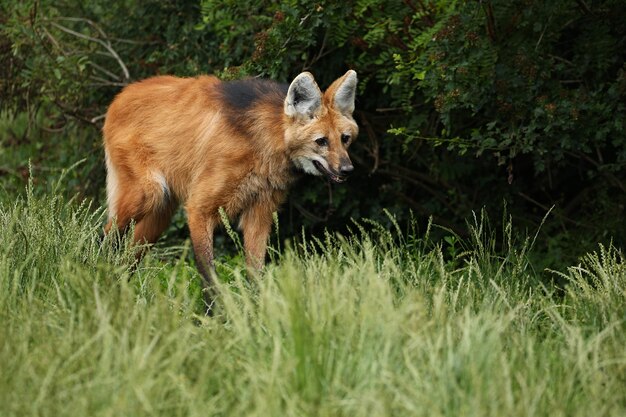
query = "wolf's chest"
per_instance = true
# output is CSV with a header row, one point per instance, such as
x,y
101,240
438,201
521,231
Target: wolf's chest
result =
x,y
255,188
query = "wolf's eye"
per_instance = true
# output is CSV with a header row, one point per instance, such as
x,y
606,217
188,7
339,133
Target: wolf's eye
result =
x,y
345,138
322,141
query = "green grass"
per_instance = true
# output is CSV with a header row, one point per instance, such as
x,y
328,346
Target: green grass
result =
x,y
375,324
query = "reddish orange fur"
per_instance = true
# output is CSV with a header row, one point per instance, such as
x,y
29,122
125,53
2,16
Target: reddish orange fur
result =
x,y
170,140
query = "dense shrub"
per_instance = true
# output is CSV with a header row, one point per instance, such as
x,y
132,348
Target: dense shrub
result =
x,y
462,104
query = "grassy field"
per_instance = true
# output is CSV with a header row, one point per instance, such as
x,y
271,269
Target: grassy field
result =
x,y
376,324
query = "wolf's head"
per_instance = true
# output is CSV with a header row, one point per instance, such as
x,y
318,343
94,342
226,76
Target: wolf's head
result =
x,y
320,127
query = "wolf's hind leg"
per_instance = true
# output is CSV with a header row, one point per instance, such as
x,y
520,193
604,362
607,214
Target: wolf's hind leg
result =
x,y
152,224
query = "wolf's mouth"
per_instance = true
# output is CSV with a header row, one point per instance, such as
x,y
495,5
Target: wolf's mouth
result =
x,y
332,176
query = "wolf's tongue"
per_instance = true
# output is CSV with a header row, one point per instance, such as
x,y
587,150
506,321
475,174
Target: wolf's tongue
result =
x,y
337,178
333,177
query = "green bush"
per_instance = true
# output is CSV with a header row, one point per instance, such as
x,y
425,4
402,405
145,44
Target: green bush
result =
x,y
462,104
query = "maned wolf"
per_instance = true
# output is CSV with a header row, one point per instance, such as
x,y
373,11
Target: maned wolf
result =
x,y
208,144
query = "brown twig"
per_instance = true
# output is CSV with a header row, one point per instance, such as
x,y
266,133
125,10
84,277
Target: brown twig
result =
x,y
103,70
424,212
438,196
56,43
96,119
306,213
427,13
491,22
584,7
597,164
106,45
371,135
556,212
558,58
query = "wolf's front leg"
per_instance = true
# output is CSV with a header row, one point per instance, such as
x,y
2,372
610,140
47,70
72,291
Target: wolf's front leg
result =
x,y
256,223
201,228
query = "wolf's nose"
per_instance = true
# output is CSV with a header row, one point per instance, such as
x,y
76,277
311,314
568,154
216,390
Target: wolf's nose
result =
x,y
346,169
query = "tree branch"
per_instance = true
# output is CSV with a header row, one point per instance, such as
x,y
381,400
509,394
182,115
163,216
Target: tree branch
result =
x,y
106,45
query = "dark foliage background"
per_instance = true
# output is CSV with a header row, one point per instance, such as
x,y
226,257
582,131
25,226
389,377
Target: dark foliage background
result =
x,y
462,104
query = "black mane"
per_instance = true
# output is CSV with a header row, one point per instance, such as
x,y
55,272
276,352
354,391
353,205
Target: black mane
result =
x,y
244,94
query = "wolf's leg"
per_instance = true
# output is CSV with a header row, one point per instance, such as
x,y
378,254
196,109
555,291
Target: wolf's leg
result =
x,y
127,208
256,223
152,224
201,228
146,202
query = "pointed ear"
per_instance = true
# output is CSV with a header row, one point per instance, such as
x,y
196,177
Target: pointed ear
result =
x,y
304,98
343,92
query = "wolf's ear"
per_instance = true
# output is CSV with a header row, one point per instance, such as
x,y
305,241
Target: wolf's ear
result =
x,y
343,92
304,97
